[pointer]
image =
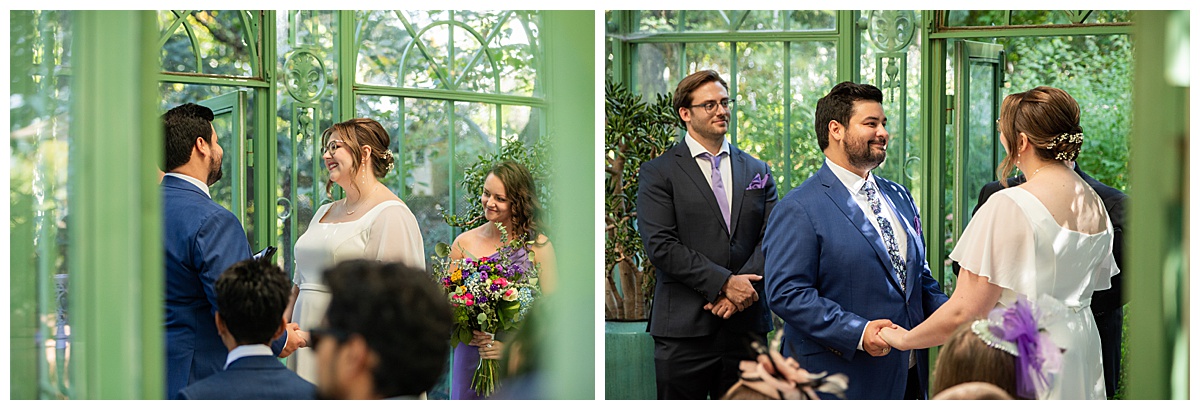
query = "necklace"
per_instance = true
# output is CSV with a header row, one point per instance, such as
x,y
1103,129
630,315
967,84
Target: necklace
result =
x,y
1036,171
360,202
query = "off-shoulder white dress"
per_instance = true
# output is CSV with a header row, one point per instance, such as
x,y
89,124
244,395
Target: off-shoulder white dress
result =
x,y
388,232
1014,241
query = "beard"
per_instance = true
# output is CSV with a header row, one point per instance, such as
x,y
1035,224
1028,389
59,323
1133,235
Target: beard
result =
x,y
862,156
214,170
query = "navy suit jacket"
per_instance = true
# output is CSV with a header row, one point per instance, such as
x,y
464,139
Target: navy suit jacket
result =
x,y
690,247
200,240
251,378
828,274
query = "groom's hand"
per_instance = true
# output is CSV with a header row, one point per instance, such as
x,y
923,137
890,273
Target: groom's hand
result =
x,y
872,343
740,291
723,308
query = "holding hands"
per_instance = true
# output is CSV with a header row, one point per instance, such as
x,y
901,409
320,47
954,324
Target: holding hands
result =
x,y
872,343
736,295
894,336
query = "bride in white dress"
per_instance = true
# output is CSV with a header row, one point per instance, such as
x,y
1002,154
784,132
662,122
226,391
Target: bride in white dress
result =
x,y
1050,236
371,223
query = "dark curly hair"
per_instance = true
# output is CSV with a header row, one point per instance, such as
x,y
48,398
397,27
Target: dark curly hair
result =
x,y
251,298
400,313
838,106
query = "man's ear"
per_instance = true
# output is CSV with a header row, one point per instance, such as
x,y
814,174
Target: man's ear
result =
x,y
281,329
836,130
357,353
221,328
204,147
685,114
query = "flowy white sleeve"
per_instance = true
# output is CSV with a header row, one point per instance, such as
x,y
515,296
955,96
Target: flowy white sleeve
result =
x,y
395,237
999,244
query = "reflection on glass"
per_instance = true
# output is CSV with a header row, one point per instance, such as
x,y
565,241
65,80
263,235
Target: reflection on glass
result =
x,y
426,167
814,70
980,153
657,69
208,42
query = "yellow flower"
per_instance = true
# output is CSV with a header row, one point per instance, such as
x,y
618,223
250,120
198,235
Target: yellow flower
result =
x,y
456,275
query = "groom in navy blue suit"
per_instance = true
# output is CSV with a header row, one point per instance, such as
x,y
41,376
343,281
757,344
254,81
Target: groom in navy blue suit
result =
x,y
845,257
251,297
200,240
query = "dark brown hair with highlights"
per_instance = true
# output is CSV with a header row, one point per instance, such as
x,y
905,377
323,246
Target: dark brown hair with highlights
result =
x,y
520,189
1049,117
966,358
683,91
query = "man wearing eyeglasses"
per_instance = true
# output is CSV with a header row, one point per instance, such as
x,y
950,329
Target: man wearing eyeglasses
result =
x,y
251,296
384,333
702,208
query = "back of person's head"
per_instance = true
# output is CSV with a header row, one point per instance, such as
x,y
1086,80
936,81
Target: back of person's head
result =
x,y
400,313
973,391
1049,117
967,358
181,126
251,298
355,134
683,91
838,106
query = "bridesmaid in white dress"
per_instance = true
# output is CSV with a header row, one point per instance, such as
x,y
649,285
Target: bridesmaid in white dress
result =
x,y
371,223
1050,236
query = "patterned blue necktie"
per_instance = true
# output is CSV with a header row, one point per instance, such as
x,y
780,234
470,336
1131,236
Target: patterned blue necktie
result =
x,y
885,228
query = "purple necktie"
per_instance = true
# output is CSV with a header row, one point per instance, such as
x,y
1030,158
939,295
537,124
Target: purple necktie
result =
x,y
718,186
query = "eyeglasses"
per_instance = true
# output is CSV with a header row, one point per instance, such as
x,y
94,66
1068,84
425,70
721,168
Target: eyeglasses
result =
x,y
317,334
332,146
712,105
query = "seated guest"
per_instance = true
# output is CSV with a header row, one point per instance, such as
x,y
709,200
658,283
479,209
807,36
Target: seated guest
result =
x,y
384,333
251,297
1007,350
973,391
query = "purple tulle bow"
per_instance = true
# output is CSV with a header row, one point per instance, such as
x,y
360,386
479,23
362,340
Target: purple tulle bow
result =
x,y
1038,358
759,181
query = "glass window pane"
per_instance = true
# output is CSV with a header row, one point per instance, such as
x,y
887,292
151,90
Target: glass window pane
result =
x,y
706,56
760,101
707,20
520,123
1038,17
979,162
516,56
962,18
426,171
1109,16
474,136
657,21
656,70
814,71
813,19
207,42
763,20
381,48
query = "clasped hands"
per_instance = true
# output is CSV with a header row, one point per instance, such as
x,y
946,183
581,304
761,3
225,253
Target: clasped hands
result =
x,y
881,335
489,348
736,295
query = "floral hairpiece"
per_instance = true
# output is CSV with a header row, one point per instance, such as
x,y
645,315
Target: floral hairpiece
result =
x,y
1016,330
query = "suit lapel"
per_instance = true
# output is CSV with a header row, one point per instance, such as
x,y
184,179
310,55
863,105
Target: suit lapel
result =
x,y
846,203
687,164
740,172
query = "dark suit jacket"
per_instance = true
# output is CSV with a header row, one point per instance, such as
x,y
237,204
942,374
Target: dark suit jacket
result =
x,y
200,240
251,378
1114,202
828,274
692,250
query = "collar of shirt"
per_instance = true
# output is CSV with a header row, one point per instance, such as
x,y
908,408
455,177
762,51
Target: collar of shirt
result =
x,y
697,149
246,351
852,181
203,187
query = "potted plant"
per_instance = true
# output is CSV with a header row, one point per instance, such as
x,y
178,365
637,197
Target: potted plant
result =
x,y
634,132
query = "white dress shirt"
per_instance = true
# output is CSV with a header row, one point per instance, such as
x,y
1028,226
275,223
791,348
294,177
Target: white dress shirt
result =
x,y
706,168
193,181
246,351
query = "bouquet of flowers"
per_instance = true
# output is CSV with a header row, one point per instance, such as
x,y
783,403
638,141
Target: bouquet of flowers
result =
x,y
488,294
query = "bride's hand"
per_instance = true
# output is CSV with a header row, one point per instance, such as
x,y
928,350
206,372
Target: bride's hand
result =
x,y
480,338
894,336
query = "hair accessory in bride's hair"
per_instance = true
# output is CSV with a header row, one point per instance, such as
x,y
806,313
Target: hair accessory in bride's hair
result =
x,y
1016,330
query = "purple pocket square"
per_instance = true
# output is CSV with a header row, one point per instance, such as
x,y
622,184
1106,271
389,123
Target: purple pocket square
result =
x,y
759,181
917,224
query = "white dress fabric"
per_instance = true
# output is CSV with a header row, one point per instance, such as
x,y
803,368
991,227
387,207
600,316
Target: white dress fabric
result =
x,y
388,232
1014,241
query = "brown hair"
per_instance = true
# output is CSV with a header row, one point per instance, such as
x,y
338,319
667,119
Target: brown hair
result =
x,y
520,189
356,133
966,358
683,91
1049,117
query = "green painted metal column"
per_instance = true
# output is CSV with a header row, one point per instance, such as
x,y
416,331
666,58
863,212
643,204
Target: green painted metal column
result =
x,y
570,47
1158,261
265,147
116,289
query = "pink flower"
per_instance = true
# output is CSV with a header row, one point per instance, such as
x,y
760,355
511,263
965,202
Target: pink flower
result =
x,y
510,295
501,281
